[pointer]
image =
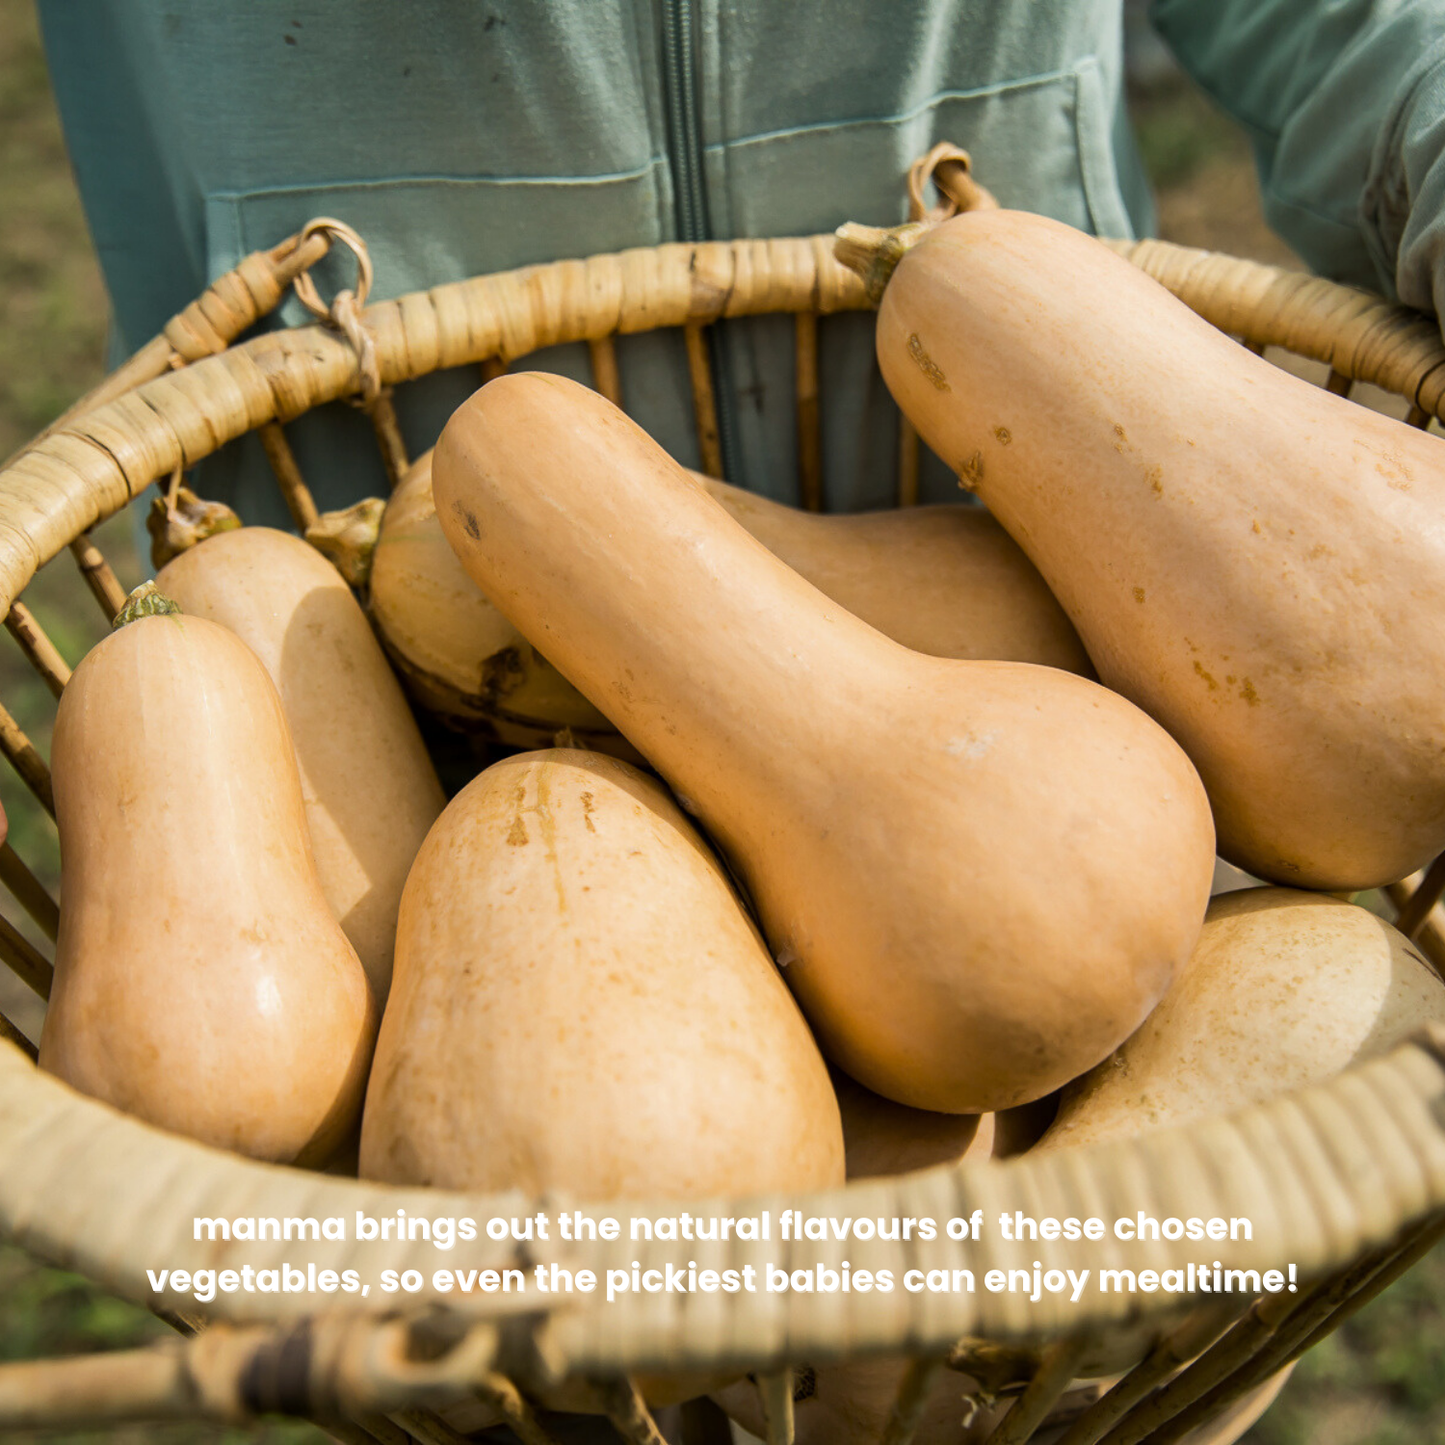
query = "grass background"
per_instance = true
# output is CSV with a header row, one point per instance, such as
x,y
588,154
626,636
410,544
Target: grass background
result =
x,y
1379,1381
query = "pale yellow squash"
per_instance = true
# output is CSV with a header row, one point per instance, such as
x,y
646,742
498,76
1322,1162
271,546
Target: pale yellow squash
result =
x,y
1257,563
978,876
881,1138
948,581
1285,989
370,788
460,657
581,1004
201,982
945,580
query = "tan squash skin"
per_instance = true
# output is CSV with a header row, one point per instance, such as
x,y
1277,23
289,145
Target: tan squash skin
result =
x,y
1258,564
881,1138
947,857
461,658
201,982
581,1004
370,788
1285,989
948,581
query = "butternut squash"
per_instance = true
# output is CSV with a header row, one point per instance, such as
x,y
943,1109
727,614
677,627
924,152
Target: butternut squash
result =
x,y
881,1138
582,1004
1284,990
943,580
462,660
1255,562
978,876
201,981
370,789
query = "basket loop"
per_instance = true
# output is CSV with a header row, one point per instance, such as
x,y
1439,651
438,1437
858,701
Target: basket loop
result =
x,y
949,167
344,313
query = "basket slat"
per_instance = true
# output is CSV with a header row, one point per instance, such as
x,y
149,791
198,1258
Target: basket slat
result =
x,y
704,402
810,434
1056,1373
99,578
389,441
25,758
605,375
29,892
24,960
294,491
42,653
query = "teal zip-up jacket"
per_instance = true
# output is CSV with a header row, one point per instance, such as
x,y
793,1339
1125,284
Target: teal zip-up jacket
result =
x,y
466,136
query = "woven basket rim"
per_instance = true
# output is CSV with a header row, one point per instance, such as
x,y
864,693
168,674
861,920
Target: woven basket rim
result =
x,y
73,478
1323,1174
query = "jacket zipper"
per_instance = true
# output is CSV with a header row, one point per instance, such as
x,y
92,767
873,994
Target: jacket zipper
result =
x,y
685,158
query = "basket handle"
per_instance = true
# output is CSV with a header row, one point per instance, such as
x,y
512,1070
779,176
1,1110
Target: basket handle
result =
x,y
949,167
227,307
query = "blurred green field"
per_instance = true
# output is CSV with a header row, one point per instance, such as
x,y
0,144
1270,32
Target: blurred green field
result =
x,y
1380,1381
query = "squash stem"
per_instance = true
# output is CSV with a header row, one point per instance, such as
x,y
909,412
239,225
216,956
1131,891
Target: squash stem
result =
x,y
347,539
146,601
181,519
874,252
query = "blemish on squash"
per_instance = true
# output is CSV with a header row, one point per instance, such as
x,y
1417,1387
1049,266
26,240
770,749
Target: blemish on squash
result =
x,y
502,673
1248,693
1199,668
1256,530
587,812
1155,477
1138,594
517,835
548,823
926,364
1230,680
970,473
1395,472
971,745
1317,551
1003,435
469,522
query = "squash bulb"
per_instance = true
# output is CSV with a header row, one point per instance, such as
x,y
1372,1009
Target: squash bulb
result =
x,y
581,1004
978,876
1284,990
1255,562
201,982
371,790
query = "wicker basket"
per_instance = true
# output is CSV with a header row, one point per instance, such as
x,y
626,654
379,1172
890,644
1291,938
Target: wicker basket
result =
x,y
1346,1181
